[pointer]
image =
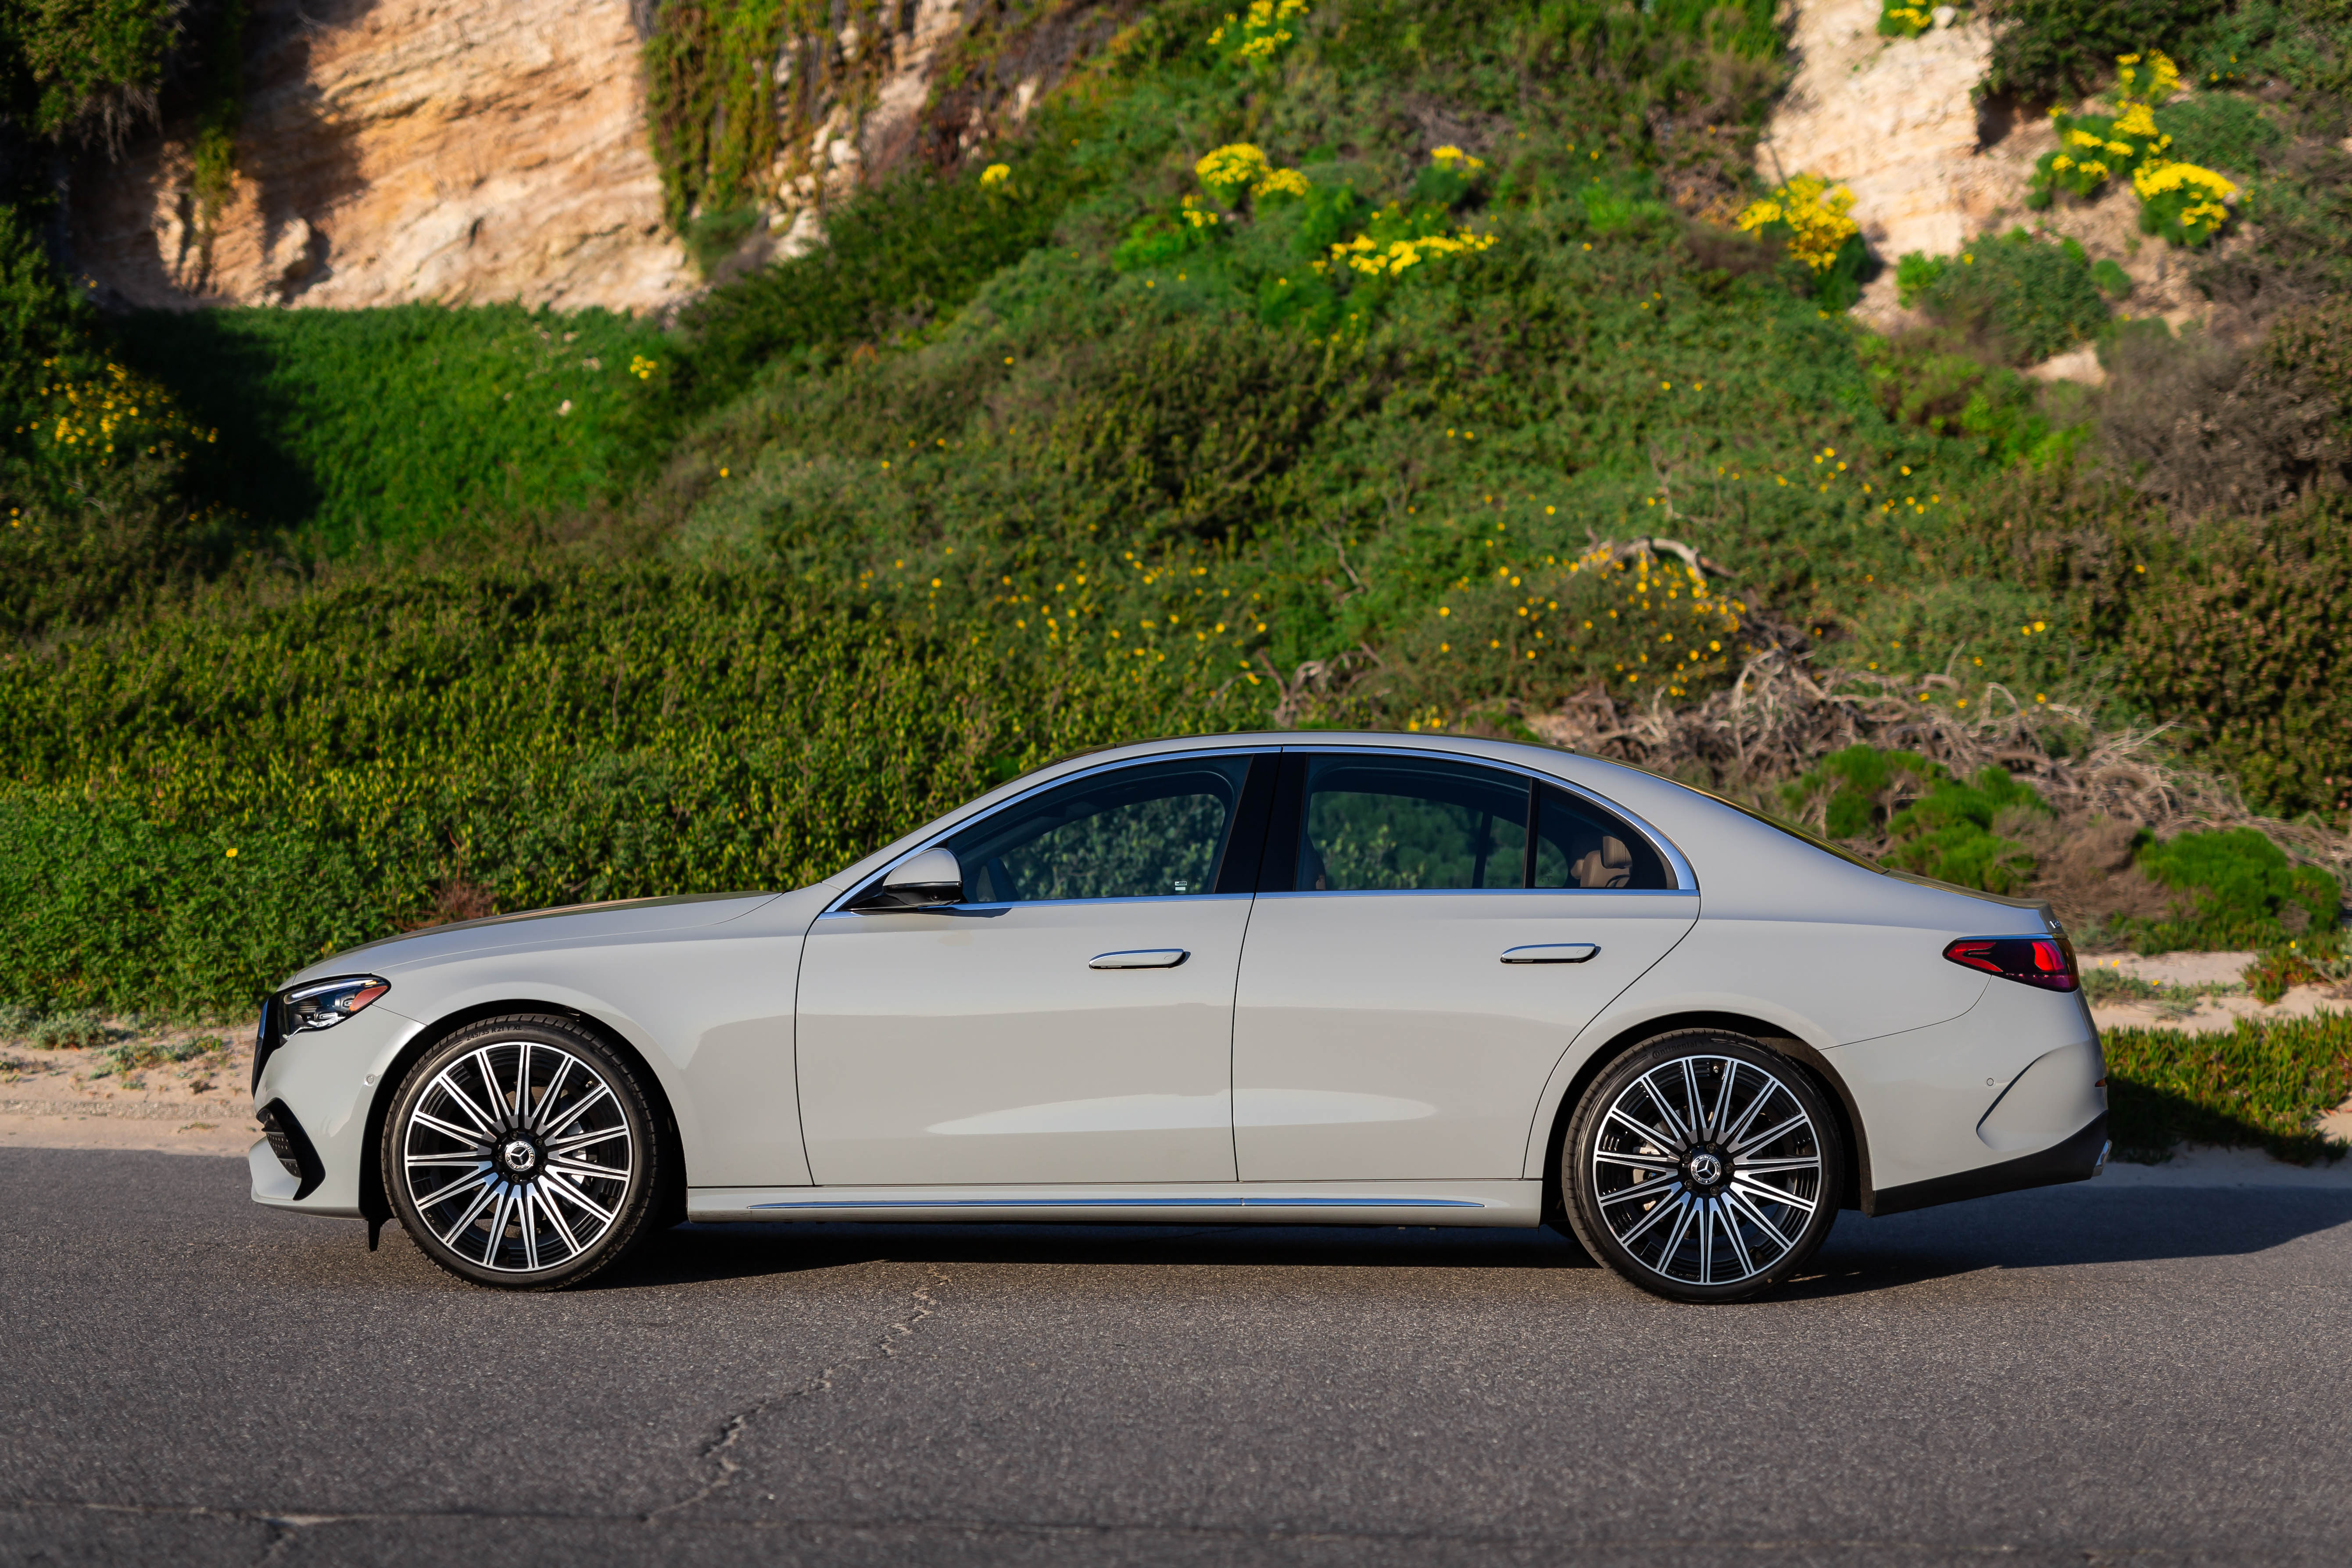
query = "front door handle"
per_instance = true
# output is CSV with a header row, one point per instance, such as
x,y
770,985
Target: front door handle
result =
x,y
1141,958
1555,952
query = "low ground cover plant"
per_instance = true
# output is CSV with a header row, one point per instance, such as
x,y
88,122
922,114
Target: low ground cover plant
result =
x,y
2262,1085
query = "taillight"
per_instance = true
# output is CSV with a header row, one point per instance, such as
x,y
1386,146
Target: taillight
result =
x,y
2044,961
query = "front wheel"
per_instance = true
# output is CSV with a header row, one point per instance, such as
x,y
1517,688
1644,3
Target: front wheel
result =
x,y
1702,1167
523,1154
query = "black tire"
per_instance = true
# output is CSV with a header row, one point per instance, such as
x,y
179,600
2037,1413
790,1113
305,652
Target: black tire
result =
x,y
523,1154
1748,1179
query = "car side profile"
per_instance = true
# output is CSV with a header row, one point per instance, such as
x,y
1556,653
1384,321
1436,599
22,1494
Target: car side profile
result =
x,y
1363,979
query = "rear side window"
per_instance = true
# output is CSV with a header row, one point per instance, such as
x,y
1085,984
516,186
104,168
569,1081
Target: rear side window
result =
x,y
1375,825
1577,844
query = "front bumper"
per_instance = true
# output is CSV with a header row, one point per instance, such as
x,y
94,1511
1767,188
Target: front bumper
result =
x,y
322,1085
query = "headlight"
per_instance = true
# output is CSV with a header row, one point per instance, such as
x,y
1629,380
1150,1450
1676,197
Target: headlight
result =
x,y
323,1003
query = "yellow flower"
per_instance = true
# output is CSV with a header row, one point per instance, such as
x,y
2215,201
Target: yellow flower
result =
x,y
995,174
1816,215
1282,182
1233,167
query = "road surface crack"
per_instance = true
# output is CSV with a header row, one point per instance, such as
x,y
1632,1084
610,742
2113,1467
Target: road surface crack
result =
x,y
720,1452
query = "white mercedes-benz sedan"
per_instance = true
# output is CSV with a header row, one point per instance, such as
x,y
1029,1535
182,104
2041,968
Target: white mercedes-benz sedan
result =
x,y
1285,979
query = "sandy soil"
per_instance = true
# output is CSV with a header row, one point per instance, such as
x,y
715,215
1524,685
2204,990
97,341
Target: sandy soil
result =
x,y
90,1099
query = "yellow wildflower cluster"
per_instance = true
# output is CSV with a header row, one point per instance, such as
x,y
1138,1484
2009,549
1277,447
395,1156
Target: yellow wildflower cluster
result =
x,y
2163,76
1447,157
1255,36
2183,194
1815,215
2181,202
643,368
1374,259
112,411
1896,21
1231,170
995,174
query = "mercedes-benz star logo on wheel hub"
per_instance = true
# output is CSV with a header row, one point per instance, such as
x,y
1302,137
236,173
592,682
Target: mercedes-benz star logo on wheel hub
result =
x,y
518,1155
1705,1169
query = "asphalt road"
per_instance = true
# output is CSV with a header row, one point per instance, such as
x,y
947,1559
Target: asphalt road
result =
x,y
2072,1376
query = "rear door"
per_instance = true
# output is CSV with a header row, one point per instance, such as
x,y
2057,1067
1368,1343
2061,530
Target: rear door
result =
x,y
1428,936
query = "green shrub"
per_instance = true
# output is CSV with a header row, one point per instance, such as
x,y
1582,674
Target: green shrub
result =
x,y
209,800
894,263
2044,51
62,61
2262,1085
2245,633
2024,298
2111,278
2238,890
1918,818
2220,130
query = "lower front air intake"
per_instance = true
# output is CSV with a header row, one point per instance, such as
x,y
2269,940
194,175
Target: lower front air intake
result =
x,y
293,1147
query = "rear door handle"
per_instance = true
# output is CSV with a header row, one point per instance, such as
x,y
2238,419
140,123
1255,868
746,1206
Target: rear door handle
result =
x,y
1140,958
1554,953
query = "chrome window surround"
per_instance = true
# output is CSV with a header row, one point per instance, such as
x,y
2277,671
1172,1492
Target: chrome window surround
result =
x,y
1685,880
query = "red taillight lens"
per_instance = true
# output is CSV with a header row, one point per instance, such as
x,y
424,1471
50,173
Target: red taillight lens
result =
x,y
2044,961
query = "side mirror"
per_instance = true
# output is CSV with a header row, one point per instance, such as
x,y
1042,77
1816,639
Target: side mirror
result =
x,y
930,880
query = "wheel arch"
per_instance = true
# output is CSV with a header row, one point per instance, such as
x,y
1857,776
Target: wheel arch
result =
x,y
1774,1039
376,1205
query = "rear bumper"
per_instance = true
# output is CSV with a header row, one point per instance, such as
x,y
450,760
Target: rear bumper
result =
x,y
2078,1159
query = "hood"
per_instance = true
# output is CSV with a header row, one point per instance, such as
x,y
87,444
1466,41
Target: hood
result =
x,y
534,928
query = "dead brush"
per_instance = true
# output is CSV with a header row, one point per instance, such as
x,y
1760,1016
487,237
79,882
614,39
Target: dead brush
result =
x,y
1777,720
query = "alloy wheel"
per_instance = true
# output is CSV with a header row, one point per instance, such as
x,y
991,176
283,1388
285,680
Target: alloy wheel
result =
x,y
517,1156
1707,1170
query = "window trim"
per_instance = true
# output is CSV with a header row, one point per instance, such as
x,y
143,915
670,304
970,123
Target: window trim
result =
x,y
843,904
1290,805
1282,825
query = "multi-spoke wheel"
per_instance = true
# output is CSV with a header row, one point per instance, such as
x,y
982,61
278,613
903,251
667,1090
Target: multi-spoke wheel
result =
x,y
1702,1167
522,1153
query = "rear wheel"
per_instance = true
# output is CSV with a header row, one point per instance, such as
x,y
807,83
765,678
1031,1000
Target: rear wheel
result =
x,y
523,1154
1702,1167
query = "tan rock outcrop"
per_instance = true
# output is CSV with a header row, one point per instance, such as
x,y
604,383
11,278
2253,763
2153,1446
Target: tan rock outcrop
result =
x,y
1891,120
1894,121
455,150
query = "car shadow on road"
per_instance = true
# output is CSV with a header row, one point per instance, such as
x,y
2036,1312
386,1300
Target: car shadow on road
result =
x,y
694,1252
2052,1229
2062,1226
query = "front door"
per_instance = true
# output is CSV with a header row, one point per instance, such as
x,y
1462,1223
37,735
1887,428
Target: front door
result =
x,y
1403,1003
1070,1021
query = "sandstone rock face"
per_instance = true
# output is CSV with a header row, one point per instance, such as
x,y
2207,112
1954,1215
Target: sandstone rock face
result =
x,y
1894,120
452,150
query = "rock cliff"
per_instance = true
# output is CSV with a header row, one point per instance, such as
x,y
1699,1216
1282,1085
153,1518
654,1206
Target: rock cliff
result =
x,y
457,151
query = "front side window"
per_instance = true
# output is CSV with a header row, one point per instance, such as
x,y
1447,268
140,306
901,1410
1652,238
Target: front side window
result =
x,y
1159,830
1380,824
